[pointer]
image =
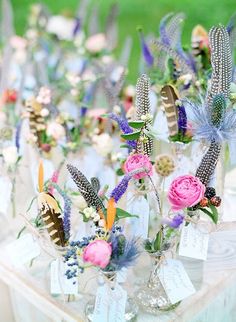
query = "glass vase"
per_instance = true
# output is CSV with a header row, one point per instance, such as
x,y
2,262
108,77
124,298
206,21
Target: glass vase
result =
x,y
152,297
111,283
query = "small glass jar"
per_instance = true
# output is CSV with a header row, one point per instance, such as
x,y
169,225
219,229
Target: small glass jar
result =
x,y
152,297
110,279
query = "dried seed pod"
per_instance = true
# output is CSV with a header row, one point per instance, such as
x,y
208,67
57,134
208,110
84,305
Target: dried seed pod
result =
x,y
164,165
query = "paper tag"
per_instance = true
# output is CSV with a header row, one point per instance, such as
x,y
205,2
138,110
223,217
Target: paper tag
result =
x,y
60,284
122,275
175,281
5,194
110,304
140,207
101,308
193,242
117,304
23,250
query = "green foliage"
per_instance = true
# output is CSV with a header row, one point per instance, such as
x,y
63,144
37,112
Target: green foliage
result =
x,y
136,124
131,136
121,214
137,12
212,213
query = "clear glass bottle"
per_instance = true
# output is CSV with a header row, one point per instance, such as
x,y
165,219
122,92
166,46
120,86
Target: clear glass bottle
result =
x,y
110,281
152,297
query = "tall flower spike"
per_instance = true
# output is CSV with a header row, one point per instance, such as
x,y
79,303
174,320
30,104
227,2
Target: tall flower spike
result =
x,y
186,67
143,108
85,188
221,61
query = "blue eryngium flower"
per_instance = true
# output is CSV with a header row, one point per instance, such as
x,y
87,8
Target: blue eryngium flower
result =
x,y
203,129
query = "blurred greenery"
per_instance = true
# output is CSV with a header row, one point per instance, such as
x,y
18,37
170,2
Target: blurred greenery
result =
x,y
146,13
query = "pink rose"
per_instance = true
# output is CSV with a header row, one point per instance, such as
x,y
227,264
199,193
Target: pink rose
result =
x,y
96,43
137,161
98,253
185,191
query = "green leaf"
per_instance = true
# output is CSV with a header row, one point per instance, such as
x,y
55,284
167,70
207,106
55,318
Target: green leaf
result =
x,y
213,215
158,241
131,136
124,146
136,124
119,172
120,214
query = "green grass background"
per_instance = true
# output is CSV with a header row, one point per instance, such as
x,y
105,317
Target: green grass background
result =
x,y
140,12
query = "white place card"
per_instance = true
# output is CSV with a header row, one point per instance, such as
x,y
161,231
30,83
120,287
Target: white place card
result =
x,y
175,280
110,304
5,194
23,250
117,304
101,308
193,242
59,283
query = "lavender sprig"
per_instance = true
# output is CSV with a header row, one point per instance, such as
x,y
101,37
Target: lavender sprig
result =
x,y
182,120
66,210
17,136
121,188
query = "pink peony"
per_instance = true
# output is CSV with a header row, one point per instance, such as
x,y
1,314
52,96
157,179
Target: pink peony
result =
x,y
185,191
137,161
98,253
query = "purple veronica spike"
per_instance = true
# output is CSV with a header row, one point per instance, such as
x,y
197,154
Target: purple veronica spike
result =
x,y
121,188
124,126
77,26
17,137
87,99
66,210
145,50
182,119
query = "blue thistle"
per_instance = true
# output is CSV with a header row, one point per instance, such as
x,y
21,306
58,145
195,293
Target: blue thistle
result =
x,y
124,127
121,188
124,253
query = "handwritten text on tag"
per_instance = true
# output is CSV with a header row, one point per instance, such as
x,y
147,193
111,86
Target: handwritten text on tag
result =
x,y
175,281
193,242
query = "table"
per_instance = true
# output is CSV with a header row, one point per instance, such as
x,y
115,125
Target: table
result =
x,y
214,302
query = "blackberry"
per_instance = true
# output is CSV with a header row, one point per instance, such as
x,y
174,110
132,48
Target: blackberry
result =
x,y
210,192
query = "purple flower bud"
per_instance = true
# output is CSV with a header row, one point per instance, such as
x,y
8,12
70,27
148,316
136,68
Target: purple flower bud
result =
x,y
175,222
145,50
